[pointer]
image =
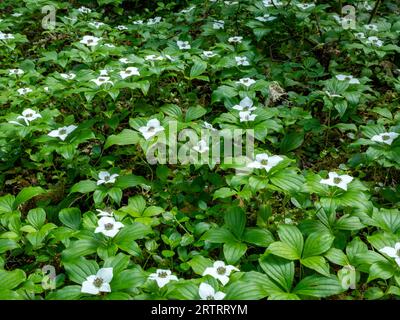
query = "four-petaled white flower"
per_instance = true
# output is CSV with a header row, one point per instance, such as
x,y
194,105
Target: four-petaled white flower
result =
x,y
90,41
245,104
264,161
23,91
207,292
104,72
100,282
360,35
235,39
62,133
96,24
220,271
375,41
393,252
68,76
242,61
102,80
6,36
305,6
154,20
108,226
371,27
218,24
153,57
333,95
246,82
162,277
351,79
201,147
128,72
17,14
29,115
121,28
124,60
387,137
183,45
268,3
84,10
335,180
138,22
151,129
265,18
245,116
209,126
209,54
17,72
103,213
105,177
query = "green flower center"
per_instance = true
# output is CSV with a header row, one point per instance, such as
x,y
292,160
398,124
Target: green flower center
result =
x,y
108,226
337,180
221,270
107,178
98,282
264,162
385,137
210,298
63,131
151,129
29,115
162,274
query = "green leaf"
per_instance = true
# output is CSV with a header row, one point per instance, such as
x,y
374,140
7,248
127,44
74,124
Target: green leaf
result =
x,y
183,290
129,181
115,194
291,141
244,290
125,239
381,270
218,235
282,249
337,256
172,110
65,293
118,263
233,251
199,264
7,203
126,137
257,236
80,248
27,194
71,217
36,217
11,279
84,186
223,193
128,279
316,263
318,286
194,113
317,243
292,236
198,68
79,269
280,270
7,244
235,221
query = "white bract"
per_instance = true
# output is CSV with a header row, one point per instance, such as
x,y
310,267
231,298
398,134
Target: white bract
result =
x,y
100,282
128,72
96,24
264,161
245,116
201,147
268,3
336,180
305,6
375,41
183,45
360,35
68,76
351,79
102,80
207,292
265,18
220,271
209,54
371,27
6,36
103,213
23,91
162,277
154,20
153,57
62,133
235,39
108,226
387,137
90,41
246,82
84,10
242,61
121,28
151,129
218,24
29,115
245,104
106,177
17,72
138,22
393,252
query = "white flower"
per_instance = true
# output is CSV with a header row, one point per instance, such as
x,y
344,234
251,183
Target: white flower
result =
x,y
151,129
17,14
17,72
209,54
154,20
102,213
128,72
100,282
84,10
104,72
305,6
63,132
96,24
268,3
121,28
351,79
29,115
393,252
6,36
90,41
265,18
124,60
68,76
23,91
105,177
375,41
245,104
102,80
201,147
246,82
218,24
264,161
387,137
335,180
109,45
235,39
138,22
162,277
108,226
245,116
183,45
372,27
207,292
360,35
188,9
242,61
220,271
332,95
153,57
209,126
